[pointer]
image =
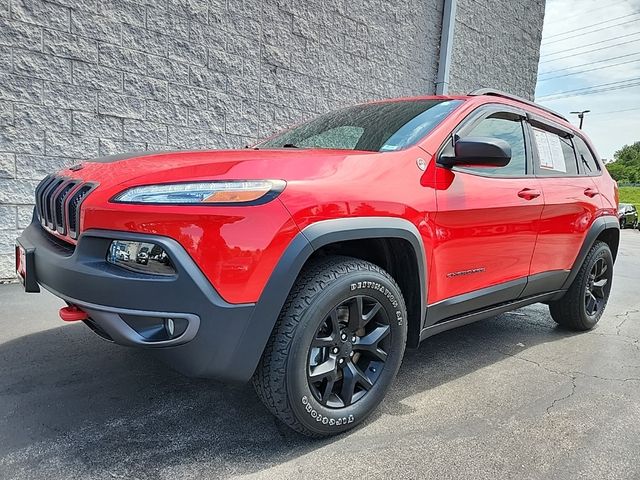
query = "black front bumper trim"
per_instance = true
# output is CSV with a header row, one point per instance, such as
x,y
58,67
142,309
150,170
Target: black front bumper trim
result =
x,y
218,338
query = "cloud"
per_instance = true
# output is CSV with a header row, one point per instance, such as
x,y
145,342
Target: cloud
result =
x,y
585,39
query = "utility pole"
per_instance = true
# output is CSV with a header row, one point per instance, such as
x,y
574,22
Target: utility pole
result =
x,y
580,116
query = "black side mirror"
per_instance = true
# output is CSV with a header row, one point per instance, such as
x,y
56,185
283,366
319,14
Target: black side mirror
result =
x,y
480,151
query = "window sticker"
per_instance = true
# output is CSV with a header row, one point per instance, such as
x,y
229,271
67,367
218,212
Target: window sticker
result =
x,y
550,153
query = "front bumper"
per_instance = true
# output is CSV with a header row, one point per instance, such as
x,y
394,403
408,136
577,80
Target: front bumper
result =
x,y
217,340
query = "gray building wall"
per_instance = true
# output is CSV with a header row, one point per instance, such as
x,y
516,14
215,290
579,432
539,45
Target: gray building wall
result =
x,y
497,44
84,78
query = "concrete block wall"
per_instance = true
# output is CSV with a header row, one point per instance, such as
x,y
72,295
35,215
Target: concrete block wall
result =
x,y
86,78
497,44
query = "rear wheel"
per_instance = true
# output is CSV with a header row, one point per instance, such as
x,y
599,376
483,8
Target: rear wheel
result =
x,y
335,349
583,304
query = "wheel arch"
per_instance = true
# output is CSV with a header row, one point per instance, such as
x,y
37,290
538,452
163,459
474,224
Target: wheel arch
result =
x,y
605,229
314,240
394,244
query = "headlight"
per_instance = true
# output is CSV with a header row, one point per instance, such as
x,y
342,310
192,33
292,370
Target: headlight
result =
x,y
251,192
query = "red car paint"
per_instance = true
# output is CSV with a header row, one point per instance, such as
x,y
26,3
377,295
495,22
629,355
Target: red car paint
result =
x,y
506,226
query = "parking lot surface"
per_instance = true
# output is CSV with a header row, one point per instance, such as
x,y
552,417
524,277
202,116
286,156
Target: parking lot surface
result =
x,y
509,397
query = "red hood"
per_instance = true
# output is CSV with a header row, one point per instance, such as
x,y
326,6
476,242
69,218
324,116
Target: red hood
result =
x,y
147,168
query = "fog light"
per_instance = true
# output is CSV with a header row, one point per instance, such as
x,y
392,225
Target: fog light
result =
x,y
141,257
157,329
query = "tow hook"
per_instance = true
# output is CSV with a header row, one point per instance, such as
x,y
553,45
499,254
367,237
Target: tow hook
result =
x,y
72,314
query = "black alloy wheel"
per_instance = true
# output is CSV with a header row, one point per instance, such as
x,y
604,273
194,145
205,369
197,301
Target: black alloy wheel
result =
x,y
597,287
348,352
336,347
583,304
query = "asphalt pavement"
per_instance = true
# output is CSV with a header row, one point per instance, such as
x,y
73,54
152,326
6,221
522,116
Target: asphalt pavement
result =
x,y
513,396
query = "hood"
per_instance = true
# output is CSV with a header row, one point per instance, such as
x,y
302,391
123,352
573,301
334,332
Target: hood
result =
x,y
163,167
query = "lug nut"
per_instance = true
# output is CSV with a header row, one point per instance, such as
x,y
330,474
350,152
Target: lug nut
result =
x,y
335,350
351,354
341,361
353,339
343,336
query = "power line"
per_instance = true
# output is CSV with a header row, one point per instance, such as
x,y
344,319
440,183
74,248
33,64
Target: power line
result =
x,y
617,111
584,27
562,95
594,31
588,63
591,44
591,51
618,82
596,86
564,19
589,70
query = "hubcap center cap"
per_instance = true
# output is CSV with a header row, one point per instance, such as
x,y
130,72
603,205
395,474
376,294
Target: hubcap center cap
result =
x,y
345,349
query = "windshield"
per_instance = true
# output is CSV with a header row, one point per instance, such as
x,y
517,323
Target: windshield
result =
x,y
374,127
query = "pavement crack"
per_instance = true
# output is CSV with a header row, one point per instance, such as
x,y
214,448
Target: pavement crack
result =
x,y
537,364
565,397
607,379
625,317
634,342
570,375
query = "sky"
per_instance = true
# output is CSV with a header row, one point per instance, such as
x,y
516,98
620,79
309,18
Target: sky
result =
x,y
593,46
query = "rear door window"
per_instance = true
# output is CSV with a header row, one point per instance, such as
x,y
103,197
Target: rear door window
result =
x,y
555,154
587,162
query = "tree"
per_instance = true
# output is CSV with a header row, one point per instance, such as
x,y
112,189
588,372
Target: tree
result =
x,y
626,165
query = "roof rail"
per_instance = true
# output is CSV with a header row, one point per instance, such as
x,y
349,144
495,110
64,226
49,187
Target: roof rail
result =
x,y
498,93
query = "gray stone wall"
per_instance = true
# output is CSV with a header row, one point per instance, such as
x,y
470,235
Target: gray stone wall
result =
x,y
497,45
85,78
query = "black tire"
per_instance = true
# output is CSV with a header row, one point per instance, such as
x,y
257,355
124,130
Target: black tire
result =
x,y
286,377
583,304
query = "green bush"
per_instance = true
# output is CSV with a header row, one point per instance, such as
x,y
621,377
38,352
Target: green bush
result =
x,y
626,165
630,195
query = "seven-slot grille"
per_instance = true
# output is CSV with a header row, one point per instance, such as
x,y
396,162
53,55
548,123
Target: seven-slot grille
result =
x,y
58,201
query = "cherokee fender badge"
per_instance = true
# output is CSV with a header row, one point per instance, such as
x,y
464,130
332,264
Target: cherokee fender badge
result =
x,y
465,272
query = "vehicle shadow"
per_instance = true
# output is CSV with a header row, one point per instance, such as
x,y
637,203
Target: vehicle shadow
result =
x,y
76,405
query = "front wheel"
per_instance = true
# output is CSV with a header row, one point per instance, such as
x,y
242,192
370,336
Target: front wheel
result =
x,y
336,347
584,303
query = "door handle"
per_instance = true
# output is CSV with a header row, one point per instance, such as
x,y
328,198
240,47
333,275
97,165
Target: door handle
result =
x,y
529,194
591,192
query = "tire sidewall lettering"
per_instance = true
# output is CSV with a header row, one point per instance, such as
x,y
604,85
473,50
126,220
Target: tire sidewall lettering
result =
x,y
325,419
378,287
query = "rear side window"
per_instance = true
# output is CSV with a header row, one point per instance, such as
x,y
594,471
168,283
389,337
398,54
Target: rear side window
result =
x,y
556,155
588,164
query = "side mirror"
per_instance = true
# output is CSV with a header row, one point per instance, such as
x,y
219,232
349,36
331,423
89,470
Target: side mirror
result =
x,y
480,151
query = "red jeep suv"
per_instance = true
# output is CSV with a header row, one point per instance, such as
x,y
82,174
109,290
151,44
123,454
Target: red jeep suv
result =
x,y
308,262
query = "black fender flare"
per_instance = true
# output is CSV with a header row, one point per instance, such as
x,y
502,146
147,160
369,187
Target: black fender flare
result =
x,y
599,225
304,244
